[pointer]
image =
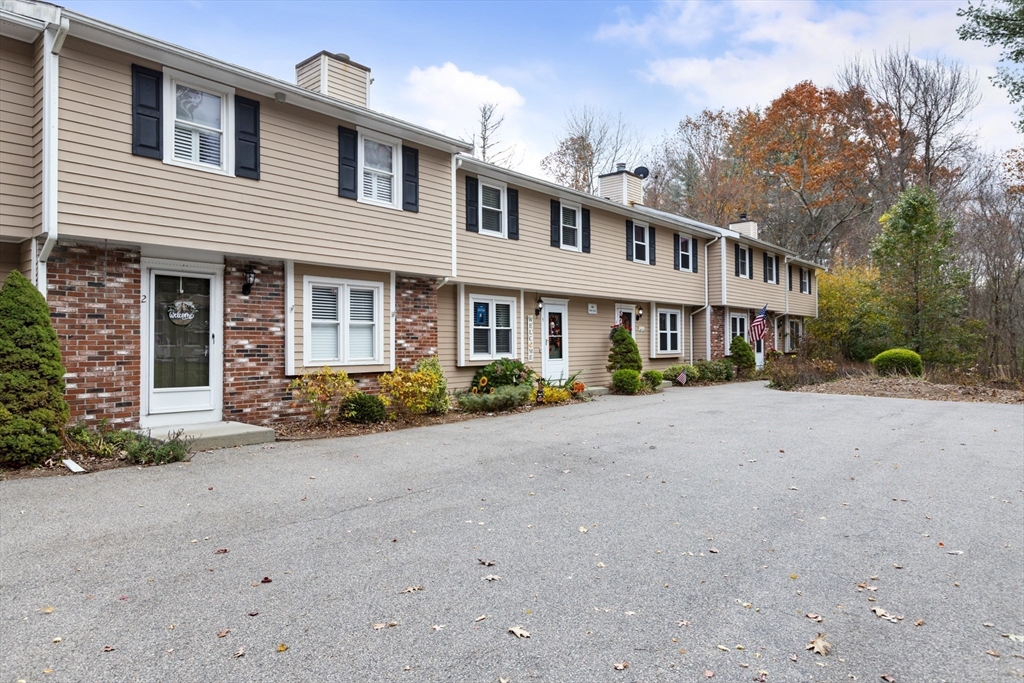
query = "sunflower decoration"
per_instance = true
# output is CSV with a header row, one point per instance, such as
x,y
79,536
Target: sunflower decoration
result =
x,y
483,380
492,390
475,390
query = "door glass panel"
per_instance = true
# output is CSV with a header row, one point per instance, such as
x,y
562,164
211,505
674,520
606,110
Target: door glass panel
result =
x,y
554,336
181,332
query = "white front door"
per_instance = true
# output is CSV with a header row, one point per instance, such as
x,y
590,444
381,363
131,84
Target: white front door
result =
x,y
183,349
555,358
759,353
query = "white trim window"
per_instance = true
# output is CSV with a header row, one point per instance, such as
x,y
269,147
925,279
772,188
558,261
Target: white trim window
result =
x,y
493,331
342,322
745,262
805,281
380,169
771,277
687,247
199,123
493,207
669,331
641,252
572,227
737,328
793,338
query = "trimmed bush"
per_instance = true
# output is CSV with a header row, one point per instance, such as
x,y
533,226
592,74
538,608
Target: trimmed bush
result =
x,y
417,391
713,370
438,400
626,381
624,354
502,373
652,379
728,370
672,372
33,412
323,390
363,408
742,355
495,400
897,362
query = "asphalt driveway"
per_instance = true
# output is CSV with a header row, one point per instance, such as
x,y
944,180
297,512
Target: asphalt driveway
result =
x,y
687,532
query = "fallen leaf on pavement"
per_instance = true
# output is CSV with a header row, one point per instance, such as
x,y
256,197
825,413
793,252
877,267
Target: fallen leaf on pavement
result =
x,y
266,579
1014,637
504,680
486,563
919,622
709,673
682,623
793,657
712,550
583,529
518,632
813,617
723,648
988,624
221,551
57,639
239,653
378,626
888,679
819,645
793,488
492,577
410,589
48,609
992,653
437,627
480,618
107,648
620,666
282,648
897,566
224,633
956,552
253,614
882,614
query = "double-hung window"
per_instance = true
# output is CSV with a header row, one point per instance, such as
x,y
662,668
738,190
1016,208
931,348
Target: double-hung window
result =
x,y
687,247
493,332
744,262
640,243
738,325
199,119
805,281
571,227
380,170
770,276
668,331
342,322
493,208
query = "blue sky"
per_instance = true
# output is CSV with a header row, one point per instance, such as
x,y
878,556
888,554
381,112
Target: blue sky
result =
x,y
653,62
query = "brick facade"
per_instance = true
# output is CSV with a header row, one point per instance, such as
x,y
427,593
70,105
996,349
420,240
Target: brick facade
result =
x,y
94,297
718,332
415,320
255,386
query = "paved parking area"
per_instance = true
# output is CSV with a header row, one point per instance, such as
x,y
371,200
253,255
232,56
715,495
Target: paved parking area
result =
x,y
686,532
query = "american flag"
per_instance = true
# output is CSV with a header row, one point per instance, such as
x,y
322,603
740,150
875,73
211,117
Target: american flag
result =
x,y
757,327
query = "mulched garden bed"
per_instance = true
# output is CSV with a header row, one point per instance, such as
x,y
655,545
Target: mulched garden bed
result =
x,y
907,387
55,468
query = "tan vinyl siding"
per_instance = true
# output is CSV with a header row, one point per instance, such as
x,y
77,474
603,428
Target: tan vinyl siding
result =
x,y
714,266
611,187
302,270
448,335
292,212
18,211
698,336
534,264
346,82
634,190
754,292
308,75
803,304
10,259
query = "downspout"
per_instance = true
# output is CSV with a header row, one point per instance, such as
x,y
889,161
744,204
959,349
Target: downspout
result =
x,y
785,320
52,44
707,297
456,163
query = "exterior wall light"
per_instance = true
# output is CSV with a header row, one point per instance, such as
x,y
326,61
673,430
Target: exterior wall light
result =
x,y
639,312
540,306
250,280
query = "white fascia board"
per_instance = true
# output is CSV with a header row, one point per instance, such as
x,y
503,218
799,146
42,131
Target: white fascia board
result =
x,y
517,179
183,59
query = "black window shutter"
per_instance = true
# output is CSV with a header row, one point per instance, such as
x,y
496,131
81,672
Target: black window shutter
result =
x,y
694,250
790,278
675,250
809,274
513,214
586,231
410,179
737,259
472,204
778,277
556,223
348,163
147,109
750,263
650,244
247,138
629,240
764,265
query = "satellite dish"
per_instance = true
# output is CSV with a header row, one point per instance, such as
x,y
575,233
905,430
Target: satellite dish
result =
x,y
642,171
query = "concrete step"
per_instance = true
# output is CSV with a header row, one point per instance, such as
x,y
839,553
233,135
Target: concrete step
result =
x,y
212,435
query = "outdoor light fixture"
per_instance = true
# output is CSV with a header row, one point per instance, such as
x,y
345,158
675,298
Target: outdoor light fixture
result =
x,y
540,306
280,97
250,280
639,312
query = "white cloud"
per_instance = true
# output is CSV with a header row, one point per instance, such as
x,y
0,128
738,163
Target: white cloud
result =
x,y
689,22
765,47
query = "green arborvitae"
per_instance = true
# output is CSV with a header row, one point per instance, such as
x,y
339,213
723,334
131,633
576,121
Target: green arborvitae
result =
x,y
33,411
624,354
742,354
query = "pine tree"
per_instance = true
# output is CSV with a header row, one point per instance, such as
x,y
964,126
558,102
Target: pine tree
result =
x,y
624,354
33,411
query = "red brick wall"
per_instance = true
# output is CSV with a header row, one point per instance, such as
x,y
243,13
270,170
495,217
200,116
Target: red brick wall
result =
x,y
255,386
718,332
415,319
93,292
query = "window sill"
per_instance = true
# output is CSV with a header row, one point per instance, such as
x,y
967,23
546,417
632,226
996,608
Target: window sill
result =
x,y
492,233
573,249
486,359
383,205
199,167
646,263
342,364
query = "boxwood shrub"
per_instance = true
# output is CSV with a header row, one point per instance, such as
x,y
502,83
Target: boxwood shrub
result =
x,y
652,379
363,408
897,362
626,381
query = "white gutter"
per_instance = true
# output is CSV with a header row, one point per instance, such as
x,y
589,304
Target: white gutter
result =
x,y
289,317
462,325
394,322
456,162
707,301
53,41
725,298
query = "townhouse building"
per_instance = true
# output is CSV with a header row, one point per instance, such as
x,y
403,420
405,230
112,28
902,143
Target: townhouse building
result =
x,y
204,233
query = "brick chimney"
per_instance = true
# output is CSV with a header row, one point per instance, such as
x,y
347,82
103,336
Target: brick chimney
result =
x,y
625,187
335,75
748,228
